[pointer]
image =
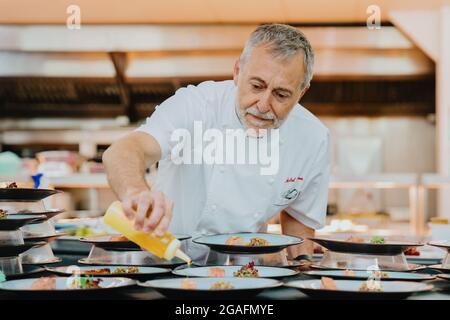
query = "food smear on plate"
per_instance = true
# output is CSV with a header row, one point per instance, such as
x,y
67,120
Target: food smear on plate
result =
x,y
118,238
349,273
222,285
234,241
188,284
355,239
371,285
127,270
258,242
93,271
44,283
216,272
3,213
247,271
328,283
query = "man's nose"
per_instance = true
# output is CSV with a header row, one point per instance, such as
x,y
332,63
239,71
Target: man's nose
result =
x,y
263,104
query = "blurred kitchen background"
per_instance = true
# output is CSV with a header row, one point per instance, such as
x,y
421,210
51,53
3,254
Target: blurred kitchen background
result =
x,y
77,75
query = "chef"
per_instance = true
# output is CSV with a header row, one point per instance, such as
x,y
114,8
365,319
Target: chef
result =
x,y
196,197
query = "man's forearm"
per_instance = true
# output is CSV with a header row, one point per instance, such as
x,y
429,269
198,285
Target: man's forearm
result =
x,y
125,165
291,226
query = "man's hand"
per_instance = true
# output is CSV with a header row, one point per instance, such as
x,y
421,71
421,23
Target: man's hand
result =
x,y
152,211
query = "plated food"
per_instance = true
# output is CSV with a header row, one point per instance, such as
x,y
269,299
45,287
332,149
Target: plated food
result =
x,y
8,185
12,192
247,271
353,289
106,271
375,246
211,288
64,285
118,242
363,275
247,242
222,285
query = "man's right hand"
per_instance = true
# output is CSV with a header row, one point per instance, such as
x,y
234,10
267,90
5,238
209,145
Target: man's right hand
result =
x,y
151,211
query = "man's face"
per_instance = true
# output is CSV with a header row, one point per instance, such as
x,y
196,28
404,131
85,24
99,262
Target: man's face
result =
x,y
268,88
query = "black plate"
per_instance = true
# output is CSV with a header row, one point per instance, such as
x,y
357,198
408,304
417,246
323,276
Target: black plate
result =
x,y
444,276
389,249
15,221
439,267
104,243
277,242
15,250
145,273
444,244
25,194
48,213
27,270
47,238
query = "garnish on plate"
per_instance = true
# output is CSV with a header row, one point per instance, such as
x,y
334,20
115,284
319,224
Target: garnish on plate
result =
x,y
127,270
258,242
377,240
247,271
222,285
84,283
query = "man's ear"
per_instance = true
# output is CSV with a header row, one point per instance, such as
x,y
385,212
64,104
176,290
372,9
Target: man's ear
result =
x,y
236,70
305,89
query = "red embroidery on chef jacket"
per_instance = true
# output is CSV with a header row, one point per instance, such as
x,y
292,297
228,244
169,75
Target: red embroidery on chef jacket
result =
x,y
293,179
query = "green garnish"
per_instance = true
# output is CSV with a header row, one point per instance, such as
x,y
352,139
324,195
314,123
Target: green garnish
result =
x,y
2,276
377,240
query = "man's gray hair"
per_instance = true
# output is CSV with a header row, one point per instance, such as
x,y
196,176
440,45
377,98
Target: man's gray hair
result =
x,y
284,42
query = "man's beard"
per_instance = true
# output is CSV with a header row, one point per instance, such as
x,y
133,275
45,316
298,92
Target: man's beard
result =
x,y
253,110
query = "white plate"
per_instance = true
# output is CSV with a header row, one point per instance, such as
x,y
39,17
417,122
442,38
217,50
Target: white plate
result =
x,y
364,275
62,285
263,272
350,289
242,287
69,270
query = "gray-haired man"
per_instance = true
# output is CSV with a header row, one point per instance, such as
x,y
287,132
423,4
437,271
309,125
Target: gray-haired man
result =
x,y
270,77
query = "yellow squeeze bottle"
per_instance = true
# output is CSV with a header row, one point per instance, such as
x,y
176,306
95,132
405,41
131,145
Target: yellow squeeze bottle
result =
x,y
166,246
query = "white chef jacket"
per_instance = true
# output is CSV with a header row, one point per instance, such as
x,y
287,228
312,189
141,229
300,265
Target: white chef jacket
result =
x,y
224,198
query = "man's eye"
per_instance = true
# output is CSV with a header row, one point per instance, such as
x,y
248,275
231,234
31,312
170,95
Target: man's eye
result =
x,y
256,86
282,96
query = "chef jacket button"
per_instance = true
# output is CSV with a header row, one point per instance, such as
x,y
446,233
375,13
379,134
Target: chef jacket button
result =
x,y
256,214
222,169
214,207
271,180
281,141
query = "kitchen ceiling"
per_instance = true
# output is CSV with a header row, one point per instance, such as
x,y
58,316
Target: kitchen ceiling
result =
x,y
203,11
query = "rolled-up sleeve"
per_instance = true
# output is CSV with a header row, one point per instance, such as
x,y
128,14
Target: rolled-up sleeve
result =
x,y
311,205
